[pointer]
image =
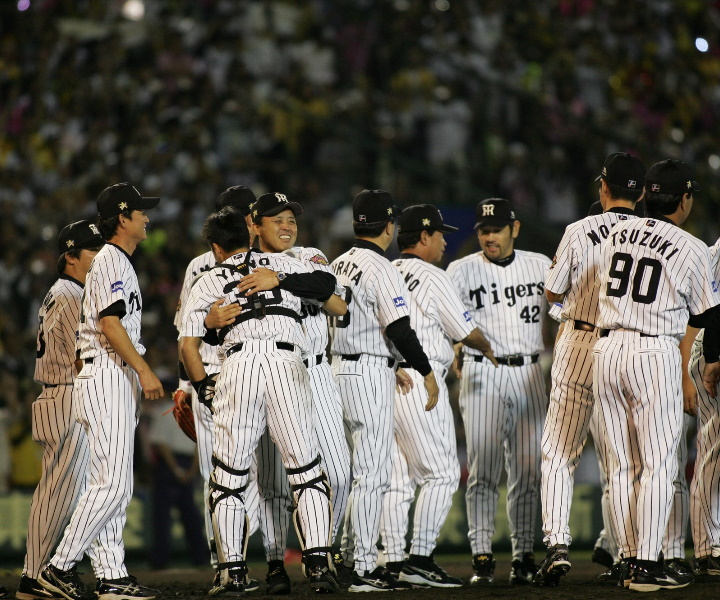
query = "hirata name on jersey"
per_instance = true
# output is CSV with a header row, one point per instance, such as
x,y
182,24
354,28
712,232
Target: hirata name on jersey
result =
x,y
645,238
511,292
349,268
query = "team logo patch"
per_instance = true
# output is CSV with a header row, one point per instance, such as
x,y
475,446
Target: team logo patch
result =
x,y
117,287
319,259
399,301
714,286
466,314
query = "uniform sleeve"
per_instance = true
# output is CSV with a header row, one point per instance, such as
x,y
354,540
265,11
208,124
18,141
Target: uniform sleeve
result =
x,y
202,295
389,294
111,279
456,276
184,293
557,279
703,292
455,319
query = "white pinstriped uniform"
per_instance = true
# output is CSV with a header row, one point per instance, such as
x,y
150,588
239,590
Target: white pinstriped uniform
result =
x,y
328,427
375,293
652,275
503,408
201,415
65,447
424,449
572,406
260,386
704,495
106,398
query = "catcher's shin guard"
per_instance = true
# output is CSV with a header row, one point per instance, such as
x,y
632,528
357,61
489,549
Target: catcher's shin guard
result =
x,y
217,494
320,484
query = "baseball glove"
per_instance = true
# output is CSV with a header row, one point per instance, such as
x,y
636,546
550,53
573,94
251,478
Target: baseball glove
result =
x,y
182,411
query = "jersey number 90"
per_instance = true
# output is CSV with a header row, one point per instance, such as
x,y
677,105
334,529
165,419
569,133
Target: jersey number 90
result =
x,y
645,277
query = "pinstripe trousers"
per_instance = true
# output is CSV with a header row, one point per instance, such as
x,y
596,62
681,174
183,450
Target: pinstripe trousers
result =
x,y
503,410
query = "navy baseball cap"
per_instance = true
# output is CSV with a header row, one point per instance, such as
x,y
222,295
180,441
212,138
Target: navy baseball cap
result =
x,y
79,235
271,204
120,197
420,217
671,177
623,170
237,196
374,206
495,212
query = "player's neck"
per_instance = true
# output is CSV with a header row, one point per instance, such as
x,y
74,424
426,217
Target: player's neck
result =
x,y
124,243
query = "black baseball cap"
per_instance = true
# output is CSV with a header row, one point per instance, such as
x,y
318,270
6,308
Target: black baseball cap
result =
x,y
79,235
420,217
671,177
623,170
120,197
237,196
271,204
496,212
374,206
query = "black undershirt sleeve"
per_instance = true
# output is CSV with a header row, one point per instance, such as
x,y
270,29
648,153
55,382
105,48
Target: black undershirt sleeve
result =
x,y
710,320
318,285
116,309
407,343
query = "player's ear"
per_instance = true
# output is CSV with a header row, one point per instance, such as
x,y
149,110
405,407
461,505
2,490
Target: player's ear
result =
x,y
515,229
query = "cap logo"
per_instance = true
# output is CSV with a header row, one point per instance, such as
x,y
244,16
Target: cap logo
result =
x,y
604,171
362,218
632,183
426,222
488,210
255,213
70,243
689,184
94,229
123,206
390,210
655,187
281,197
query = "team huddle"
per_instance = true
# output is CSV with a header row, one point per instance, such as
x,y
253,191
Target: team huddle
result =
x,y
318,392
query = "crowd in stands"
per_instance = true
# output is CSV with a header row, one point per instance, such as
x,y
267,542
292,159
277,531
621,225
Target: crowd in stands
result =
x,y
441,101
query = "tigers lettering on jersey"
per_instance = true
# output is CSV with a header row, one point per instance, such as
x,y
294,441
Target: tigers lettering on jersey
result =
x,y
509,293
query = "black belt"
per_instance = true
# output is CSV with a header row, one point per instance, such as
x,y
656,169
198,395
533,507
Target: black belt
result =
x,y
279,345
89,361
584,326
515,360
316,361
50,385
606,332
391,362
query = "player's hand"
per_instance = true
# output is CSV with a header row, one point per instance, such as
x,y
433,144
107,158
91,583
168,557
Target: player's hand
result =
x,y
260,280
151,386
458,360
689,396
490,355
432,389
221,316
710,378
403,381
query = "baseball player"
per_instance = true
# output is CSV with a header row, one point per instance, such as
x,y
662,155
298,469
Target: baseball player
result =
x,y
704,517
571,281
275,229
65,448
239,197
652,276
502,409
262,383
424,450
106,396
366,345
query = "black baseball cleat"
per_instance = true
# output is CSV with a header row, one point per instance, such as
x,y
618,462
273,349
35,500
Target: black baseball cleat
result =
x,y
320,578
66,584
523,570
424,571
602,557
483,569
277,579
553,567
234,586
613,576
30,589
395,566
651,576
707,569
343,573
124,588
379,580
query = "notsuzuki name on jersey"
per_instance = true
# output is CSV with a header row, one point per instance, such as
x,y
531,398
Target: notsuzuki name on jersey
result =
x,y
117,287
399,301
645,238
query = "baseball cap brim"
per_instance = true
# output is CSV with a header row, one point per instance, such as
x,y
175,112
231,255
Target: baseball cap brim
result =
x,y
293,206
445,228
494,223
147,202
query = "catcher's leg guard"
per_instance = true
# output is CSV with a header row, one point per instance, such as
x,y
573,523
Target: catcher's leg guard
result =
x,y
229,498
299,485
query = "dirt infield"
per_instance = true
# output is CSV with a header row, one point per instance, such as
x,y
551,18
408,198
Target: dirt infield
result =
x,y
194,582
